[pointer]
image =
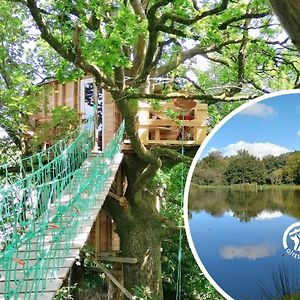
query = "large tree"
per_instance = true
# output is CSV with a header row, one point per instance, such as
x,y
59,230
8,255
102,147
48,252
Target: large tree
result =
x,y
126,46
245,168
16,76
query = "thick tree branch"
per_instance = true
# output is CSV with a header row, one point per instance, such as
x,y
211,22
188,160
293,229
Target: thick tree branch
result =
x,y
138,8
200,16
147,174
225,24
67,54
288,13
129,115
171,154
186,55
152,41
204,98
157,4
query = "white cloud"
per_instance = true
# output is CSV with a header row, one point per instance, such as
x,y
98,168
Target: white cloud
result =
x,y
257,149
268,215
249,252
259,110
298,133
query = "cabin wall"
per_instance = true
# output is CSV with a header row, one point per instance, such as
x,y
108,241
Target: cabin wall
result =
x,y
103,237
109,118
55,94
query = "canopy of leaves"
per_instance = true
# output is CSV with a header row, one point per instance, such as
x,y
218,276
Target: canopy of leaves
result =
x,y
16,73
245,168
123,43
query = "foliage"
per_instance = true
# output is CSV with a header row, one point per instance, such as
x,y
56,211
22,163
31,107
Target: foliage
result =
x,y
127,45
273,164
245,168
16,74
65,293
194,284
63,120
292,169
9,153
211,170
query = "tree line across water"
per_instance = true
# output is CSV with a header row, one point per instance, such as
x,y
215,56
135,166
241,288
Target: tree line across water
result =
x,y
243,167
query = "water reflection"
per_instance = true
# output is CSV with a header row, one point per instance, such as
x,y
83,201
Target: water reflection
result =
x,y
266,204
238,237
249,252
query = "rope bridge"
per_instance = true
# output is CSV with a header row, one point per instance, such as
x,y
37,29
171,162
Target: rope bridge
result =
x,y
47,211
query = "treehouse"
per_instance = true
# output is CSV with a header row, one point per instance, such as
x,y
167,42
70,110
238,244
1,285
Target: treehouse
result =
x,y
171,124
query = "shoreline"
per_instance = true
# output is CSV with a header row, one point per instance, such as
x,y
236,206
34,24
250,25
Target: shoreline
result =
x,y
248,186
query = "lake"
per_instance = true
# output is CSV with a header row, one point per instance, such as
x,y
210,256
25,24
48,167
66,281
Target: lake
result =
x,y
238,237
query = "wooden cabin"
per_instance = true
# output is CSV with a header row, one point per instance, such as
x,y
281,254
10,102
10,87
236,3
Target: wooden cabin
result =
x,y
187,126
154,126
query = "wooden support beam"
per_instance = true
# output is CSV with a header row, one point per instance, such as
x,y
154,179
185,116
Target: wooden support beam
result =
x,y
56,91
153,123
122,200
113,279
97,236
124,260
63,94
114,196
109,253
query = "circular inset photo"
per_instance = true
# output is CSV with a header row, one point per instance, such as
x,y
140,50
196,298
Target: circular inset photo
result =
x,y
242,201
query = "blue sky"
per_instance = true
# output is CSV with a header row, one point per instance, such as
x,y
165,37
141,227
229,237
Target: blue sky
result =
x,y
270,126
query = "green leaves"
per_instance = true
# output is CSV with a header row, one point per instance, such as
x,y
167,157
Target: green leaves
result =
x,y
63,120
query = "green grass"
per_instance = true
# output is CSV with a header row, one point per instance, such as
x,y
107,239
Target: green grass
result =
x,y
260,187
293,297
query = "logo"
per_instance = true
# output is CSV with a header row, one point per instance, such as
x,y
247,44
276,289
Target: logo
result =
x,y
291,240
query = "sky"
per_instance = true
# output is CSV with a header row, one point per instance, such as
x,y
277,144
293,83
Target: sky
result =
x,y
268,127
2,133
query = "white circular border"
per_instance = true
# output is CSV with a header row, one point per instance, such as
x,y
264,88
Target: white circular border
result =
x,y
191,171
286,232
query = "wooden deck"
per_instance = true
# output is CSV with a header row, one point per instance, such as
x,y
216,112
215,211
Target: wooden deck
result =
x,y
156,128
55,281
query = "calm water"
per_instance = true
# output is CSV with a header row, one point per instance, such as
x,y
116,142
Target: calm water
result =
x,y
238,237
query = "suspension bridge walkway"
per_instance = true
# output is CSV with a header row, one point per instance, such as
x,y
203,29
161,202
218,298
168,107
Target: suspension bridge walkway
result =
x,y
47,211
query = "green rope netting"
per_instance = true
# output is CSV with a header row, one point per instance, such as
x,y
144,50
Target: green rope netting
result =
x,y
30,164
42,212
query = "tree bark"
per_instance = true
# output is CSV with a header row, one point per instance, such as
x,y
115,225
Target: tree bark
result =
x,y
140,229
140,238
288,12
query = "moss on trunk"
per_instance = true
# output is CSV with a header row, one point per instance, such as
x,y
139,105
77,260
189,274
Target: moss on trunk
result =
x,y
140,228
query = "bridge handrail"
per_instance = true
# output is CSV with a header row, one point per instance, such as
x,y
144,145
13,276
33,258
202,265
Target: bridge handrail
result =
x,y
27,164
32,211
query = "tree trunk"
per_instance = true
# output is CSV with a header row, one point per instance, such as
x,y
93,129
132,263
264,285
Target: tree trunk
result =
x,y
141,239
139,226
288,13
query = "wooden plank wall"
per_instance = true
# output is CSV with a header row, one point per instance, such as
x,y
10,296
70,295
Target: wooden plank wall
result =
x,y
109,118
103,236
54,94
155,127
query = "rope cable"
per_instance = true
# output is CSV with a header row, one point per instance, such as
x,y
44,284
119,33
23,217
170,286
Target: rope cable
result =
x,y
179,256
